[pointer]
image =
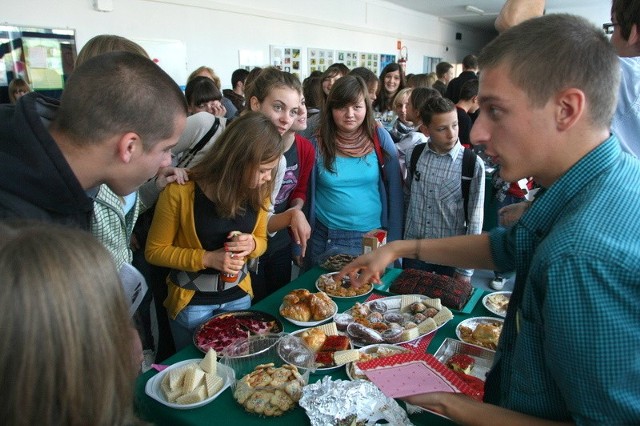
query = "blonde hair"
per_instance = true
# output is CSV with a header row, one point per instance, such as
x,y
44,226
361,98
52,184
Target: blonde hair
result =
x,y
65,341
105,43
211,74
16,85
404,93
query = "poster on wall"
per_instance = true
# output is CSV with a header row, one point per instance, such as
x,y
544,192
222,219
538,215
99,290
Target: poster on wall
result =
x,y
44,63
370,61
319,59
287,59
350,59
386,60
170,55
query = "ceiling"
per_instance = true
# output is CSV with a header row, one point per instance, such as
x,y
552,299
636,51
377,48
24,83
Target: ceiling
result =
x,y
454,10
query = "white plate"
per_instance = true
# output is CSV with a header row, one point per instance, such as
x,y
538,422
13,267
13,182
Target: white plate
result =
x,y
372,349
393,305
486,301
323,369
472,323
153,387
340,297
310,323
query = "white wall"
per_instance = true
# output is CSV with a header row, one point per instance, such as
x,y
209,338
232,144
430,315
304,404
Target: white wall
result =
x,y
214,31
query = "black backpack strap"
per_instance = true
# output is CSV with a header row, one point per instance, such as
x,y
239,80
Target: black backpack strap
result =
x,y
468,167
189,155
415,155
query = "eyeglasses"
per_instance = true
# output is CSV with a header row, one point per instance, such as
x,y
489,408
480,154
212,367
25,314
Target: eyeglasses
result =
x,y
608,28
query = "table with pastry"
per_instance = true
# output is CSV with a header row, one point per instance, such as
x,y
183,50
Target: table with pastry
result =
x,y
326,341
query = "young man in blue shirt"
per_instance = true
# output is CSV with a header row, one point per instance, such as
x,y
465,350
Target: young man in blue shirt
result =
x,y
565,348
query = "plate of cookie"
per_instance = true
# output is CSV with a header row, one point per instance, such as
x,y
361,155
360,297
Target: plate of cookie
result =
x,y
341,289
330,348
306,309
393,320
191,383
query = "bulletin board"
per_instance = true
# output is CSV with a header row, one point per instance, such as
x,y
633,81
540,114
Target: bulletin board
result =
x,y
350,59
286,58
371,61
319,59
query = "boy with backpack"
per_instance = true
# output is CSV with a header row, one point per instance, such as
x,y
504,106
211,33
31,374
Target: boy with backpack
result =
x,y
444,189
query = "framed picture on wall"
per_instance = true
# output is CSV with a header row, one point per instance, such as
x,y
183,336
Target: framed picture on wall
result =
x,y
319,59
350,59
286,58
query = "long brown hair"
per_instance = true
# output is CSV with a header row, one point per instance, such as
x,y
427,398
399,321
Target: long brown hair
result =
x,y
346,91
226,171
384,101
65,340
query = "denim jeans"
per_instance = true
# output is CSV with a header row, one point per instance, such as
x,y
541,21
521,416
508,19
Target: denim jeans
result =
x,y
192,316
326,242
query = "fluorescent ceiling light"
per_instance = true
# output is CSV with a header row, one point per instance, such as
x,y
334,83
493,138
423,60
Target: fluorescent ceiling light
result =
x,y
474,9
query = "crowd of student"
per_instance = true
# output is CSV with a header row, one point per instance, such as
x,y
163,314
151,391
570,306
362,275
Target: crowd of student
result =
x,y
209,197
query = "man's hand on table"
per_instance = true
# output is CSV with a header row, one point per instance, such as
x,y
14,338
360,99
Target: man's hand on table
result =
x,y
370,266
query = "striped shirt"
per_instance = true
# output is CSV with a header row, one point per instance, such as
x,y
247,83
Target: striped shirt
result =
x,y
433,196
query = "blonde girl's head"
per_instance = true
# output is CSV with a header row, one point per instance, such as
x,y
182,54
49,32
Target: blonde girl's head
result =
x,y
208,72
18,88
105,43
228,173
65,341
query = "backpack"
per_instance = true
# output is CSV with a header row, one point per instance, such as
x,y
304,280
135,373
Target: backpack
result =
x,y
468,166
189,155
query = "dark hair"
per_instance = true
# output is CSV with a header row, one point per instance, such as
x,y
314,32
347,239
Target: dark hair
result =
x,y
366,74
627,13
442,68
226,172
346,91
201,90
312,90
469,89
420,95
433,106
344,70
571,46
238,75
315,73
384,101
470,62
119,92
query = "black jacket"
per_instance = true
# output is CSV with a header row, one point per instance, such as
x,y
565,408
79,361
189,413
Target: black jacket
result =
x,y
36,182
454,86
